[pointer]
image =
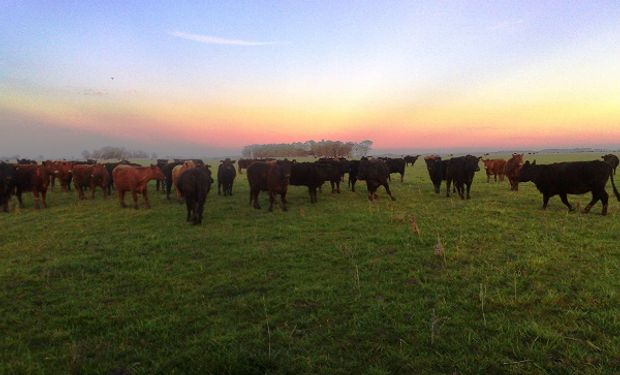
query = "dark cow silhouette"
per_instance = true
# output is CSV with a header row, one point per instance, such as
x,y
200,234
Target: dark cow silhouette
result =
x,y
194,185
34,178
332,171
26,161
226,176
354,166
578,177
7,184
494,167
461,170
312,175
411,159
167,172
272,177
395,165
513,166
375,172
161,163
437,170
612,160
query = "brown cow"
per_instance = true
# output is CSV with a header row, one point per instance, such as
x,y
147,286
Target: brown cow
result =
x,y
34,178
176,173
62,170
512,169
271,176
135,179
90,175
494,167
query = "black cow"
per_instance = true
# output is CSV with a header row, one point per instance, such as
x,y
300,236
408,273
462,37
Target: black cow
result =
x,y
226,176
612,160
411,159
270,176
437,170
312,175
7,184
354,166
167,172
375,172
461,170
195,184
395,165
578,177
161,163
332,171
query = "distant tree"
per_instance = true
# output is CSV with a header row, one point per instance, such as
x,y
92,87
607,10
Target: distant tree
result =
x,y
362,148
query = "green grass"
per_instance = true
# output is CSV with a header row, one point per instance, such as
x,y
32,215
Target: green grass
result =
x,y
342,286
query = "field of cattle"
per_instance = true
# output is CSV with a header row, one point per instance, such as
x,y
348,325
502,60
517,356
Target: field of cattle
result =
x,y
423,284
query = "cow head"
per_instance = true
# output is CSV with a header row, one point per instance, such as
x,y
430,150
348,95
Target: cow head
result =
x,y
156,173
529,171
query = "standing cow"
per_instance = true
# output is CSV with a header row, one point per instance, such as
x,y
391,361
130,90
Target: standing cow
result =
x,y
311,175
134,179
494,167
461,170
395,165
375,172
354,166
271,176
195,184
34,178
513,166
577,177
411,159
167,172
437,170
226,176
7,184
612,160
176,173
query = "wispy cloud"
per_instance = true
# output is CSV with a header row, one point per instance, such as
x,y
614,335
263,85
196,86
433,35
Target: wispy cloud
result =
x,y
508,25
208,39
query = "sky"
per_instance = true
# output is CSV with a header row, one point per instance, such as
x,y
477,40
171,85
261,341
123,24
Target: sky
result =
x,y
205,78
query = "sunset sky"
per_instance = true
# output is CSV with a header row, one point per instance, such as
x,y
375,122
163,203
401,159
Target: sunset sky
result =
x,y
206,78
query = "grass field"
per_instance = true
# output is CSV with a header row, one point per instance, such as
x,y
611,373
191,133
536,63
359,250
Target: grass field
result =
x,y
342,286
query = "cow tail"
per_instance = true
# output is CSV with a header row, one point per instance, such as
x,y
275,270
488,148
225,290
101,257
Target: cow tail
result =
x,y
613,185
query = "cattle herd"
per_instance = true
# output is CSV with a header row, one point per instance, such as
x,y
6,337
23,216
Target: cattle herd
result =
x,y
192,178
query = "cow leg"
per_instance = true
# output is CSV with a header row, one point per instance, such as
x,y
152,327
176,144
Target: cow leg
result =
x,y
402,176
121,198
545,201
284,201
564,199
93,187
254,197
461,190
448,182
37,199
44,198
134,195
387,190
5,206
332,184
188,206
338,187
272,199
310,192
468,190
145,195
219,186
605,201
18,194
488,177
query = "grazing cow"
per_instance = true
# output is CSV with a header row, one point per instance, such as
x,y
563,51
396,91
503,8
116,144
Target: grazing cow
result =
x,y
7,184
461,170
513,166
194,185
578,177
226,176
437,170
134,179
612,160
411,159
177,172
161,163
167,171
375,172
395,165
494,167
270,176
354,167
311,175
34,178
331,169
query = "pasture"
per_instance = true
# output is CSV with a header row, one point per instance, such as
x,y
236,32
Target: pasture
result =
x,y
342,286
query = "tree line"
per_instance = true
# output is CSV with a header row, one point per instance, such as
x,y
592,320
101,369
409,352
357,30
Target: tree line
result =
x,y
323,148
110,152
